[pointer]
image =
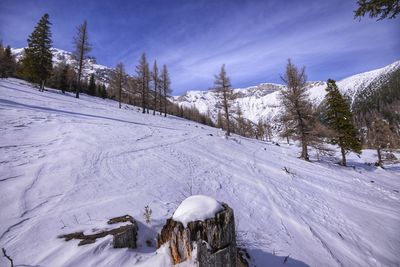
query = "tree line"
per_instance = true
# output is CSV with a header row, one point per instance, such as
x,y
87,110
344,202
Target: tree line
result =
x,y
330,122
149,88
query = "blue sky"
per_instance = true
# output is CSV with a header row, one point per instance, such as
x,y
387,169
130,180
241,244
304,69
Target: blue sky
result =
x,y
194,38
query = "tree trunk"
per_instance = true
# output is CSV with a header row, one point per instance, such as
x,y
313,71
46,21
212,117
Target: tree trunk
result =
x,y
343,156
228,129
143,95
120,95
165,102
304,151
380,163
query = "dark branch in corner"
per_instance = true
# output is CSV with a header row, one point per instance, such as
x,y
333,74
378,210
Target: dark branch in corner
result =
x,y
8,257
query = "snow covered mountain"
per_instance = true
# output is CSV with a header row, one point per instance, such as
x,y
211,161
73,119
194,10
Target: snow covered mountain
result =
x,y
68,165
102,73
262,101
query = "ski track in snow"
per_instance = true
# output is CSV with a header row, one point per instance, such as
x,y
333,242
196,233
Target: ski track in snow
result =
x,y
69,165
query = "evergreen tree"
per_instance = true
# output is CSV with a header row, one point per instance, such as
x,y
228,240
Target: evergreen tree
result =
x,y
377,8
82,48
8,64
339,118
37,61
222,86
59,77
103,92
92,86
64,78
166,87
297,116
2,65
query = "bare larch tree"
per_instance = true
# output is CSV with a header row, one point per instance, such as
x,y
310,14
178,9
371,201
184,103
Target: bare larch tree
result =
x,y
82,48
297,109
142,71
154,78
118,81
222,86
166,87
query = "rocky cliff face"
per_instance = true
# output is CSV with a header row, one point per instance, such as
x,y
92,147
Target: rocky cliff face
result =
x,y
214,238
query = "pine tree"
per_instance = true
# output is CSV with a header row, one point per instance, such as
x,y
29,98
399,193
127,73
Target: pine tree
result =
x,y
154,78
37,61
338,117
222,86
8,64
297,115
92,86
166,87
103,93
82,48
378,8
60,77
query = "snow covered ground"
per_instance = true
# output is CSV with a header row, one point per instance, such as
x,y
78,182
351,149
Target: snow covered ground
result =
x,y
70,164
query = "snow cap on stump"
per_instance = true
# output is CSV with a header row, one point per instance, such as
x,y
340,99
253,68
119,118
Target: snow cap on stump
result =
x,y
196,208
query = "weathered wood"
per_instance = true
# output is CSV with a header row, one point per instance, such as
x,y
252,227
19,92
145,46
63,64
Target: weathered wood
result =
x,y
215,239
124,236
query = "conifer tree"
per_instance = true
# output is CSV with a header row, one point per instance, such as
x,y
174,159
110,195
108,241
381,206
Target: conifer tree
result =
x,y
297,115
8,64
37,61
222,86
82,48
377,8
64,78
103,93
166,87
92,86
338,117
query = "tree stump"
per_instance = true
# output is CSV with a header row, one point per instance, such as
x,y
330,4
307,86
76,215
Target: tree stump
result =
x,y
215,239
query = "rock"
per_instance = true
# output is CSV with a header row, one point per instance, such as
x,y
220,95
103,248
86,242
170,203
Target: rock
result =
x,y
215,239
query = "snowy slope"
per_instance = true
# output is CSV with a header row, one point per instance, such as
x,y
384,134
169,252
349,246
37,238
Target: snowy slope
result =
x,y
101,72
70,164
262,101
